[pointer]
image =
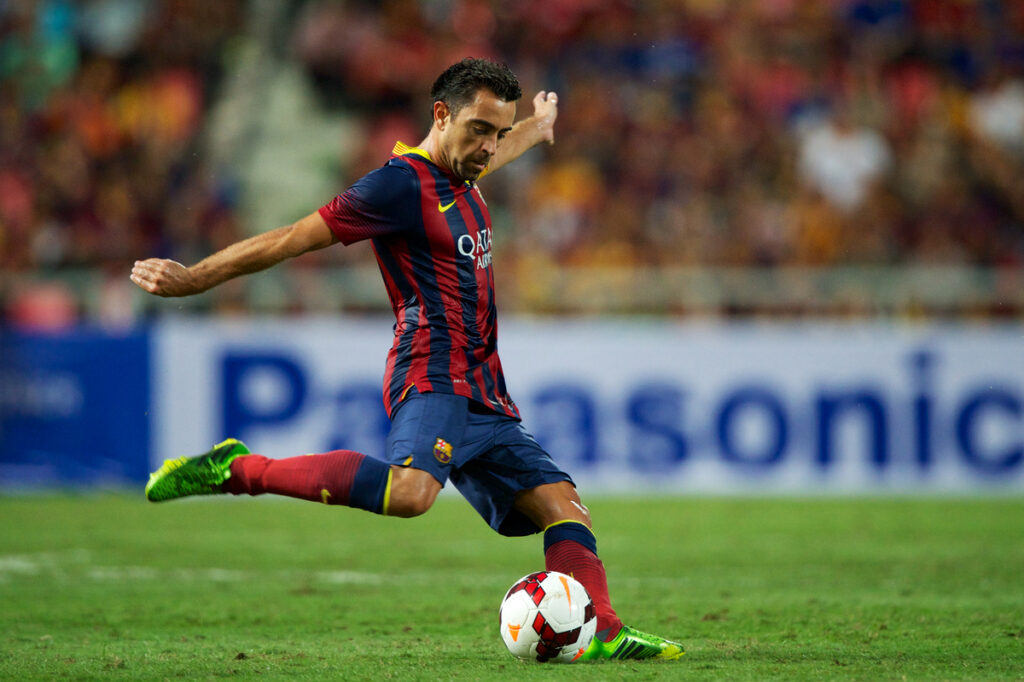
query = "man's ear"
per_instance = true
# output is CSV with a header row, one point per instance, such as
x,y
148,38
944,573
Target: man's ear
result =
x,y
442,115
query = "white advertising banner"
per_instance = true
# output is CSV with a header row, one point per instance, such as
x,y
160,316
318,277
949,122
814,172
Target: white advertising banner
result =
x,y
639,407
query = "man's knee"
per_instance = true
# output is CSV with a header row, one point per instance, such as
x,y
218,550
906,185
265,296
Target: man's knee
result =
x,y
412,492
406,506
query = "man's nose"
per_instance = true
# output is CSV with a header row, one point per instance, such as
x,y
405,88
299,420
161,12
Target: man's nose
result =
x,y
490,145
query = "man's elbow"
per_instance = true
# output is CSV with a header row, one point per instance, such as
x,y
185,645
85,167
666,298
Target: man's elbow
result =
x,y
309,234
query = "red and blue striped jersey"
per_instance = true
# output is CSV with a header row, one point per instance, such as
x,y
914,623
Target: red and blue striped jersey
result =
x,y
431,233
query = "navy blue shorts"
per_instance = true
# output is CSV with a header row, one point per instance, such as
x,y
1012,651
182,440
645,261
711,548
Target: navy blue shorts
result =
x,y
489,457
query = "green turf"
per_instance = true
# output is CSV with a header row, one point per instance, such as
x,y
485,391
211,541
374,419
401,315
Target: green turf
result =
x,y
113,587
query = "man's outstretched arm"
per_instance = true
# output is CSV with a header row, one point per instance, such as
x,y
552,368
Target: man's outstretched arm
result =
x,y
163,277
529,132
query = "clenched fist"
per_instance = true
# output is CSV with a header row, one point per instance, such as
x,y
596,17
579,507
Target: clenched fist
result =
x,y
163,277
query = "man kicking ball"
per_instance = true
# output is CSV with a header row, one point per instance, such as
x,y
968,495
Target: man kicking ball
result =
x,y
444,390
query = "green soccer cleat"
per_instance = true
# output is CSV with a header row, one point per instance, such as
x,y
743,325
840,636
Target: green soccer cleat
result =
x,y
200,475
633,644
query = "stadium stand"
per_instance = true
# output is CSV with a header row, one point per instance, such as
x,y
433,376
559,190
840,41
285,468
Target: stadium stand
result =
x,y
783,157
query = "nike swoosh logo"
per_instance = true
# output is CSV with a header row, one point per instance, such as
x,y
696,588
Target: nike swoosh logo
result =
x,y
442,209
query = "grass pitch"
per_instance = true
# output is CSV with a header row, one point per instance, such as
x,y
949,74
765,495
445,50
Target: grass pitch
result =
x,y
113,587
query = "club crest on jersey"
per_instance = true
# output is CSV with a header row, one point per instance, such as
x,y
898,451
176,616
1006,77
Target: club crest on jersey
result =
x,y
442,451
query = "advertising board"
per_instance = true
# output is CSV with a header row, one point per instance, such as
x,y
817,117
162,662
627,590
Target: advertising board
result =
x,y
630,406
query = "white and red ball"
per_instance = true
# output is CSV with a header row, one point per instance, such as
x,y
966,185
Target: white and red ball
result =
x,y
547,616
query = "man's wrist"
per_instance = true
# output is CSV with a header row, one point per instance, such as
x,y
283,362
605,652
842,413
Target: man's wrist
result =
x,y
535,131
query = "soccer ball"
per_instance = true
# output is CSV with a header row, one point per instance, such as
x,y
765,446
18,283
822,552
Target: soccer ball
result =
x,y
547,616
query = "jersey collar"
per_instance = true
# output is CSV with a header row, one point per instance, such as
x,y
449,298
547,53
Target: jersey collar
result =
x,y
401,149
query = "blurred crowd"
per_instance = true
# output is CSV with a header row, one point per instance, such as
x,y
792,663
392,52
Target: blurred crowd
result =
x,y
753,134
100,107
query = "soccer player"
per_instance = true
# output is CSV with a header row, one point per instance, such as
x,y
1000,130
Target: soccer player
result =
x,y
451,416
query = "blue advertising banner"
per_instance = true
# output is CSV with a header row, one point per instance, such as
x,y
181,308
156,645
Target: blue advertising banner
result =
x,y
625,406
634,407
74,408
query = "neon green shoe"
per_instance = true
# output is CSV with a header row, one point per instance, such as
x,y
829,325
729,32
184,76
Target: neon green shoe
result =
x,y
201,475
633,644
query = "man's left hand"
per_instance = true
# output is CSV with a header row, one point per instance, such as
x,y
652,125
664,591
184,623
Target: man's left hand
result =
x,y
545,111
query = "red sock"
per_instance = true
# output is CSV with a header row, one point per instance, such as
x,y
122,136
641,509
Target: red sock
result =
x,y
340,477
571,548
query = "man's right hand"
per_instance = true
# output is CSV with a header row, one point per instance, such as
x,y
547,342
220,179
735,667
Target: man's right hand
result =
x,y
163,277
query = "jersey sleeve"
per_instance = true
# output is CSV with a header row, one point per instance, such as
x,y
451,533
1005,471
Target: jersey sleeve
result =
x,y
381,203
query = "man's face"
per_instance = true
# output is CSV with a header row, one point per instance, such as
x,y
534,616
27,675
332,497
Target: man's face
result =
x,y
470,138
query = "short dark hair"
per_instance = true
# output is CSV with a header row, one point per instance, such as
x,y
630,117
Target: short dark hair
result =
x,y
459,83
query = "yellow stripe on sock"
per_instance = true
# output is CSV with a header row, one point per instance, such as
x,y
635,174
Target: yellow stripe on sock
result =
x,y
387,493
558,523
